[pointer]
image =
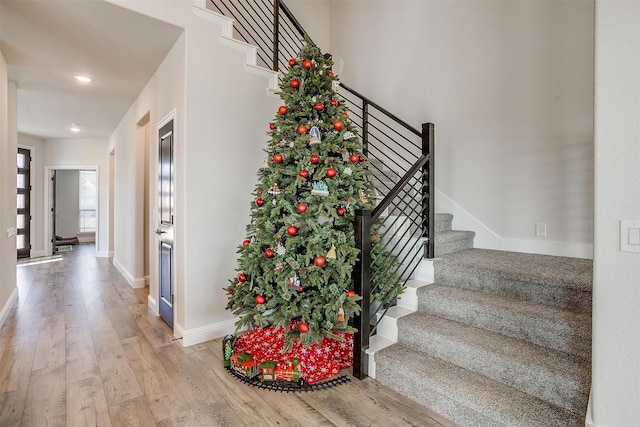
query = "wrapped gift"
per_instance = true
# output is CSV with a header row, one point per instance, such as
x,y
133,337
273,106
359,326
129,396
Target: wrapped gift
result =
x,y
316,362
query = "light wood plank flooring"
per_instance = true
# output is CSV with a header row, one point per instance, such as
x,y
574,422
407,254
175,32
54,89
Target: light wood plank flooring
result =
x,y
81,348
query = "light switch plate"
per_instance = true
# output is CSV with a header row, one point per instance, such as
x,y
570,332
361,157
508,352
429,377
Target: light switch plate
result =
x,y
629,236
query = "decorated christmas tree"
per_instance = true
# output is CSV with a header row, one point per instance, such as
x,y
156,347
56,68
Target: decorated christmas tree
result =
x,y
295,266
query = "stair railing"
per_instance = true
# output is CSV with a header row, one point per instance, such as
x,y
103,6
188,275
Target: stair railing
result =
x,y
401,159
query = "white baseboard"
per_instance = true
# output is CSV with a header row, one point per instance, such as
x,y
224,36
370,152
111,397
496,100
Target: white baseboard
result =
x,y
104,254
135,283
153,305
204,333
7,307
38,254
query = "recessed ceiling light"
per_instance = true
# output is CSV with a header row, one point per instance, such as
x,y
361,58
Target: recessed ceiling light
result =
x,y
83,79
74,128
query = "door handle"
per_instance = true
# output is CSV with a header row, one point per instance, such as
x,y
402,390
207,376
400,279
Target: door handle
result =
x,y
160,232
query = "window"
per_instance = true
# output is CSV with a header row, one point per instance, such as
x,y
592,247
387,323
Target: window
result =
x,y
88,201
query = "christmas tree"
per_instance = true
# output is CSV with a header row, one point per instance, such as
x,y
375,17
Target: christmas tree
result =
x,y
295,266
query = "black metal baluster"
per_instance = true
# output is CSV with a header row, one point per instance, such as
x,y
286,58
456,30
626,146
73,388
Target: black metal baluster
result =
x,y
362,284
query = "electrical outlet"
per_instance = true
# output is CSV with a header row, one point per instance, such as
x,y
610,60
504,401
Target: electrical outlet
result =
x,y
630,236
541,229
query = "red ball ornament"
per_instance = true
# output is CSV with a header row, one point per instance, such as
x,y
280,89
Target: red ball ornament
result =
x,y
292,231
268,253
319,106
351,293
242,278
303,327
319,261
334,102
302,129
258,190
302,208
300,289
330,73
354,158
295,83
292,62
345,114
260,299
331,172
307,64
272,126
341,211
259,201
282,110
277,158
338,125
246,242
315,159
304,173
362,159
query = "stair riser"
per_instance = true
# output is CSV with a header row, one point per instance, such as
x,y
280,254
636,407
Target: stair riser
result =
x,y
461,244
542,293
570,337
561,389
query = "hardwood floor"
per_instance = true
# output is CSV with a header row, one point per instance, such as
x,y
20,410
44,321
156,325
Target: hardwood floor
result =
x,y
80,348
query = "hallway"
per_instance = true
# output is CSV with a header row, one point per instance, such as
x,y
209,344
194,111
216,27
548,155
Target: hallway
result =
x,y
80,348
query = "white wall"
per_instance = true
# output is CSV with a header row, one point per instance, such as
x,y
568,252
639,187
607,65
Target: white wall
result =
x,y
222,115
509,85
616,298
79,154
315,18
8,151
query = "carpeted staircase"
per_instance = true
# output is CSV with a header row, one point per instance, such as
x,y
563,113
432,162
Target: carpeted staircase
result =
x,y
500,338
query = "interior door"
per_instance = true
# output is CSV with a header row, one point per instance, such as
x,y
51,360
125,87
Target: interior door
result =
x,y
23,218
165,227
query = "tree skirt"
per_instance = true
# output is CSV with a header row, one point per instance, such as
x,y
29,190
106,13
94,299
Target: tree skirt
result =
x,y
316,362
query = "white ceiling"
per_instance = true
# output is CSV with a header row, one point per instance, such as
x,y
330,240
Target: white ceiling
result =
x,y
46,42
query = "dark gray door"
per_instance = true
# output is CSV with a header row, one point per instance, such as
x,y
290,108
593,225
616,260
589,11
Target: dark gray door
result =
x,y
23,218
165,227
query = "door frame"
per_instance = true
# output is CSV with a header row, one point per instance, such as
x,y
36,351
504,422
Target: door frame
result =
x,y
155,294
47,203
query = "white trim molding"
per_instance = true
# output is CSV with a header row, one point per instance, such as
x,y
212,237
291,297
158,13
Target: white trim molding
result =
x,y
104,254
204,333
7,307
135,283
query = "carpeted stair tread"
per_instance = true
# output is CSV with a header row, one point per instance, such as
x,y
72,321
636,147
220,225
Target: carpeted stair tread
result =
x,y
548,374
463,396
547,326
576,273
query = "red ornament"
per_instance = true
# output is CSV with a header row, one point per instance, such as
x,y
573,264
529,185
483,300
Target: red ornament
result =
x,y
300,289
341,211
272,126
292,62
295,83
362,159
242,278
282,110
354,158
304,173
302,208
334,102
351,293
303,327
277,158
307,64
246,242
259,201
268,253
330,73
292,231
319,261
331,172
345,114
315,159
338,125
302,129
258,190
319,106
260,299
